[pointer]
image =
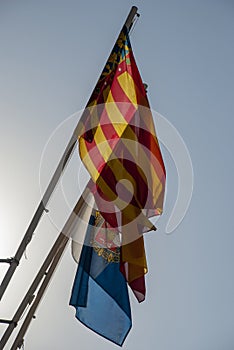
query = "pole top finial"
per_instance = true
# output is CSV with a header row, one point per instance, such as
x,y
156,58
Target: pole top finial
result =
x,y
131,16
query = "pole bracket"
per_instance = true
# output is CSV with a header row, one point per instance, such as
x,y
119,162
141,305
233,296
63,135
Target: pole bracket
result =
x,y
20,344
10,261
8,322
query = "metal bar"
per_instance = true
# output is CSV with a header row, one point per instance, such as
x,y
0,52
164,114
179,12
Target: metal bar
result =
x,y
55,178
8,260
5,321
28,297
60,241
131,16
30,315
38,214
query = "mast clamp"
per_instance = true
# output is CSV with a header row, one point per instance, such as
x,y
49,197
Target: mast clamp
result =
x,y
8,322
10,261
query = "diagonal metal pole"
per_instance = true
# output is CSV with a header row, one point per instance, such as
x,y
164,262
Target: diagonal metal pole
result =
x,y
49,265
38,214
41,208
30,315
30,294
56,251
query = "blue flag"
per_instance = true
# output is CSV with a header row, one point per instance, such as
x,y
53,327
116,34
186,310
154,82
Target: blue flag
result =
x,y
100,293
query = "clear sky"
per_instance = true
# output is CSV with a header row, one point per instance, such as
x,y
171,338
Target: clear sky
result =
x,y
51,54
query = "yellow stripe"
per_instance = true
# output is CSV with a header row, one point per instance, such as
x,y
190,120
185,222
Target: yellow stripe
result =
x,y
102,144
84,155
128,86
114,114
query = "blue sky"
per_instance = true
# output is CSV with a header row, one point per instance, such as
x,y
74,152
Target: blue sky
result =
x,y
52,53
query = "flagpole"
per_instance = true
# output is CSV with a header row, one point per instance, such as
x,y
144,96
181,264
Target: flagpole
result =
x,y
30,294
45,199
19,340
38,214
54,255
50,263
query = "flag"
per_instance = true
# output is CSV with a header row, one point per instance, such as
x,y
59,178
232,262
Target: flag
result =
x,y
119,148
100,294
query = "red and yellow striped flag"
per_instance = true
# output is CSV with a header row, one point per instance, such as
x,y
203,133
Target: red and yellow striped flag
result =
x,y
120,150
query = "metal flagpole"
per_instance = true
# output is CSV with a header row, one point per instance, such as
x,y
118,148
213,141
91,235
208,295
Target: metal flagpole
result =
x,y
38,214
54,255
30,294
19,340
50,263
41,208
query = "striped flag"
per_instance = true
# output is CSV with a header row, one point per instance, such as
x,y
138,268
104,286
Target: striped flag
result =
x,y
119,146
120,150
